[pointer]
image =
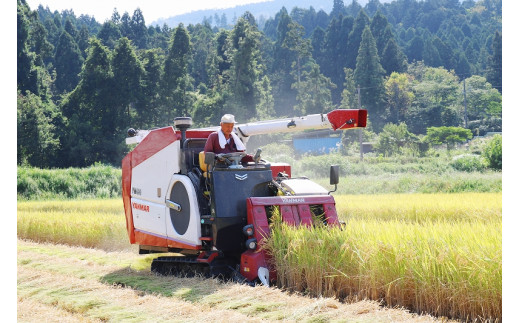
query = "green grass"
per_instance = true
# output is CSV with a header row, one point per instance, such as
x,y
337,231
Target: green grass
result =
x,y
73,183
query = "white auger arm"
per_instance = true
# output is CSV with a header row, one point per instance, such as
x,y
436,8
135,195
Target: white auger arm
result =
x,y
336,119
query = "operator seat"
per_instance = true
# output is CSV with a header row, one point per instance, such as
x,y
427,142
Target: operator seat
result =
x,y
202,164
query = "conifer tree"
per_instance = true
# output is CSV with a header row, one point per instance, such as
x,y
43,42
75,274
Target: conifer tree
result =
x,y
244,71
369,77
128,72
494,69
149,101
139,30
354,38
176,80
68,63
314,92
392,58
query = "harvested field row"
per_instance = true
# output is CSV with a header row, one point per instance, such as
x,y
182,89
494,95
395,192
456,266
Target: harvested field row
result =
x,y
74,284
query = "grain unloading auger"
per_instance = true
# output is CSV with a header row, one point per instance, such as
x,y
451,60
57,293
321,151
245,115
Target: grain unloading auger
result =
x,y
212,209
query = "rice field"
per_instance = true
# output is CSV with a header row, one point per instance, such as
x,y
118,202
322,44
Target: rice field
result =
x,y
434,253
439,254
87,223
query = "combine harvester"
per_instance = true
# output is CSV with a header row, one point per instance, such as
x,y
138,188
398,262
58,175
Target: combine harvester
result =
x,y
212,209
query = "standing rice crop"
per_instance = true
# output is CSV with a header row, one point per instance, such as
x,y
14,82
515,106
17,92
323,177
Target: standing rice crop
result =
x,y
444,265
88,223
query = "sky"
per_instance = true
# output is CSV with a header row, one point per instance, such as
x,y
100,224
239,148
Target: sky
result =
x,y
152,9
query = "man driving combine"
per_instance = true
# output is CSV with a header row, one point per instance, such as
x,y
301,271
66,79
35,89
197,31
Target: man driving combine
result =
x,y
224,140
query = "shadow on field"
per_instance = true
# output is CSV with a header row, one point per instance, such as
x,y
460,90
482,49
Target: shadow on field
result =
x,y
147,283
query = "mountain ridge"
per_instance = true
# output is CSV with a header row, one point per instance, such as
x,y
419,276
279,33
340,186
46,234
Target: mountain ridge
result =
x,y
261,9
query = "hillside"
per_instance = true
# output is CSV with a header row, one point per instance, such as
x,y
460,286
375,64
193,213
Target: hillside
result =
x,y
81,84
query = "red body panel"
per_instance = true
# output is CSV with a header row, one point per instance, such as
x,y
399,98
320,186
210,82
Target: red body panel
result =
x,y
280,168
250,261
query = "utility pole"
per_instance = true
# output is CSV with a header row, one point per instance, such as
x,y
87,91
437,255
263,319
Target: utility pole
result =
x,y
360,130
465,106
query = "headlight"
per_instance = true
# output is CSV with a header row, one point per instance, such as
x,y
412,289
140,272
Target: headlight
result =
x,y
251,244
248,230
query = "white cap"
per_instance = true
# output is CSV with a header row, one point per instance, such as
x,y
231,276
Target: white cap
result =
x,y
228,118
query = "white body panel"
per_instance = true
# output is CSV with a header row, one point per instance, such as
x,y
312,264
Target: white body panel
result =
x,y
299,186
150,181
149,217
192,234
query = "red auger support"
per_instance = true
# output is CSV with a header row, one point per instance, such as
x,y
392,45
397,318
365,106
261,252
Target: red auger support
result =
x,y
347,118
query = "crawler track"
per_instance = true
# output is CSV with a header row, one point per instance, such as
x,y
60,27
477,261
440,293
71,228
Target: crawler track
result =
x,y
190,266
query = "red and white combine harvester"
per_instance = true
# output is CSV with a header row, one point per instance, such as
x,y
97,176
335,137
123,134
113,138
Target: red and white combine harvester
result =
x,y
212,209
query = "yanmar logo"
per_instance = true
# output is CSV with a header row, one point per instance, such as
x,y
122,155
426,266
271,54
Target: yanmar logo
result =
x,y
141,207
293,201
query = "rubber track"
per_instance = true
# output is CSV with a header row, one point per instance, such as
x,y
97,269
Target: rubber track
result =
x,y
190,267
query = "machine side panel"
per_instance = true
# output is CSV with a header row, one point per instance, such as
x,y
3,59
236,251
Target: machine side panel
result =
x,y
150,179
149,217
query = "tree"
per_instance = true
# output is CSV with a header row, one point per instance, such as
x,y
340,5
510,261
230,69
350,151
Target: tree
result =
x,y
40,45
436,101
493,152
27,79
283,57
71,29
37,141
128,73
201,38
68,63
94,125
338,8
393,138
369,77
415,49
109,34
355,38
399,96
482,99
494,74
138,27
176,81
314,92
265,107
337,53
298,46
393,59
82,41
381,31
244,71
447,135
349,94
149,102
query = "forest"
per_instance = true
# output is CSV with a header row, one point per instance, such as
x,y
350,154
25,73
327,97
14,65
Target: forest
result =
x,y
414,65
